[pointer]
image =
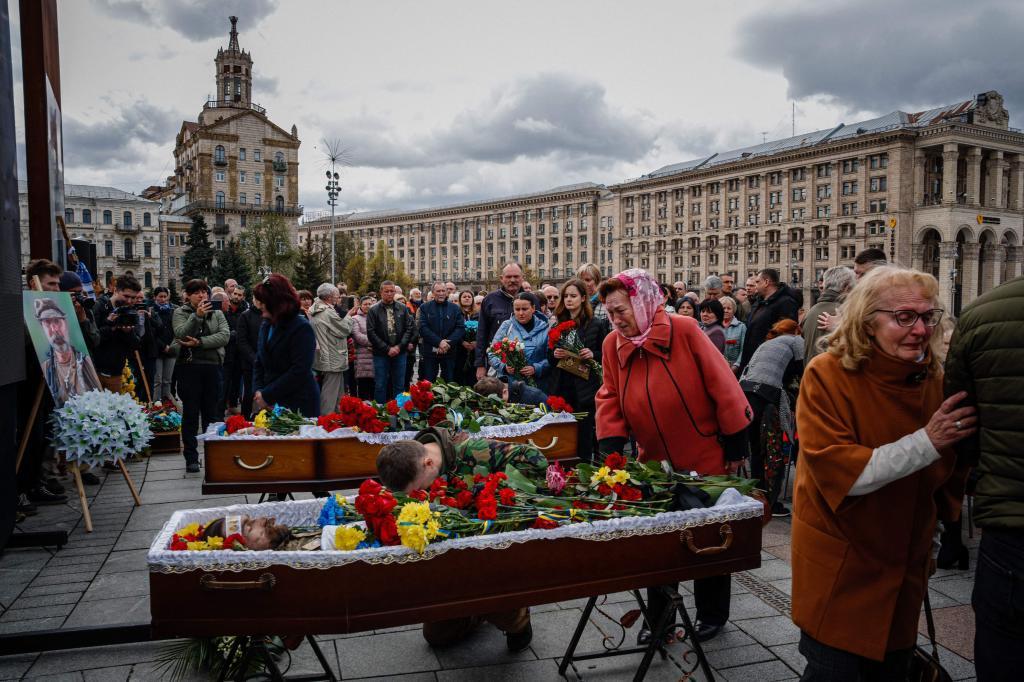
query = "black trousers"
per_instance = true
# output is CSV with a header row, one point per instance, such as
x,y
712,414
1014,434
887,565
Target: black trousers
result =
x,y
232,382
199,388
828,664
998,601
712,597
245,399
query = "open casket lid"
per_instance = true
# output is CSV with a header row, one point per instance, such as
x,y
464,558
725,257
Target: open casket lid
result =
x,y
731,506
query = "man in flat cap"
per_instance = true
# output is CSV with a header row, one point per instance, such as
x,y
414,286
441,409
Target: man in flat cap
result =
x,y
68,371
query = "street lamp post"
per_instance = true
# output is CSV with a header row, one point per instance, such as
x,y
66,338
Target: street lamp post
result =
x,y
952,279
333,188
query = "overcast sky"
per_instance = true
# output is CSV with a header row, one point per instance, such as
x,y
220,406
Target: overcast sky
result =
x,y
440,102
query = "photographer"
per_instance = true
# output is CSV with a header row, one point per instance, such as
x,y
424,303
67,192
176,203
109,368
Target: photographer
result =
x,y
202,332
72,283
121,329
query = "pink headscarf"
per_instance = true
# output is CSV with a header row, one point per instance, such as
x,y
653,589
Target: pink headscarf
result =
x,y
645,296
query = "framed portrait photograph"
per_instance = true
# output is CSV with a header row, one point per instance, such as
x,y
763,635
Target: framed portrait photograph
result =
x,y
59,344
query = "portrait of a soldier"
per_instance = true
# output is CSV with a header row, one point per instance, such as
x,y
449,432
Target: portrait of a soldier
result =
x,y
67,370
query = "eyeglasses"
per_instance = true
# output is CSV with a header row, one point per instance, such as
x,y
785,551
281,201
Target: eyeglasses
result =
x,y
908,318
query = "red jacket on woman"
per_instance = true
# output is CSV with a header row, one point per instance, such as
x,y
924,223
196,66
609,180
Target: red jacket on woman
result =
x,y
675,394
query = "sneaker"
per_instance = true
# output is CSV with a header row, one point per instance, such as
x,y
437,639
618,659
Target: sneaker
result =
x,y
54,486
41,495
89,478
518,641
781,510
192,467
25,507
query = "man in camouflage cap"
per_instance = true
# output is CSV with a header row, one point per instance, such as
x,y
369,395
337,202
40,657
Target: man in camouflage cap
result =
x,y
68,371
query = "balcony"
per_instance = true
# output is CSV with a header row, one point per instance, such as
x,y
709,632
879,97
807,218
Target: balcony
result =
x,y
127,229
129,260
280,166
236,207
233,104
221,229
220,161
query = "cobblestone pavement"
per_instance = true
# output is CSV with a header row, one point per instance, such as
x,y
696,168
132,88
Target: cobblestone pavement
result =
x,y
101,579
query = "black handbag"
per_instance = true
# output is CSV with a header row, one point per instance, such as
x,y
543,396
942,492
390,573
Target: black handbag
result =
x,y
924,665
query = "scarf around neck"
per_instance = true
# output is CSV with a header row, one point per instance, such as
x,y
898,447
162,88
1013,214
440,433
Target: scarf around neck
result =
x,y
646,298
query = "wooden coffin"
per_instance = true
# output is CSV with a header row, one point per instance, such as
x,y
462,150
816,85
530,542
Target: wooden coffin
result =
x,y
308,465
165,443
359,596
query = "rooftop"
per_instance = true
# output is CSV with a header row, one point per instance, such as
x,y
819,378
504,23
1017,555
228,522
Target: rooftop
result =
x,y
97,192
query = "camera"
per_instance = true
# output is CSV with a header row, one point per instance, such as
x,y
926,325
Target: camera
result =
x,y
217,305
83,300
125,316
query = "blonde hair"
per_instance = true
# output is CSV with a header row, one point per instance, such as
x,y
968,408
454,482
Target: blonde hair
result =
x,y
851,342
590,270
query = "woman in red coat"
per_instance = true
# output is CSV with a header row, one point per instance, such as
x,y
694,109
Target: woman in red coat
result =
x,y
667,385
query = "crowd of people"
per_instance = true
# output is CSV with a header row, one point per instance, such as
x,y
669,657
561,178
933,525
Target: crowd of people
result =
x,y
713,379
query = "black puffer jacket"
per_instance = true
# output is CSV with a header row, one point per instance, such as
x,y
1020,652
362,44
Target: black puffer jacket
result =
x,y
986,359
564,383
783,304
247,334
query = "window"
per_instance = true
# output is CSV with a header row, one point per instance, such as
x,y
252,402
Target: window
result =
x,y
219,176
219,244
799,193
850,187
69,216
171,240
823,211
848,230
241,153
219,155
129,248
256,155
775,178
279,204
241,177
258,199
279,181
257,177
798,174
753,182
147,220
279,157
798,213
775,198
851,165
108,217
242,198
219,200
878,161
733,185
108,249
242,222
218,220
879,184
875,227
824,192
86,216
824,170
147,249
148,279
127,218
877,206
850,208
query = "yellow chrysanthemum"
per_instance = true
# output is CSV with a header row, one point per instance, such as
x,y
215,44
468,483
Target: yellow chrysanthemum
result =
x,y
190,529
600,475
198,546
620,476
347,538
215,542
262,421
417,525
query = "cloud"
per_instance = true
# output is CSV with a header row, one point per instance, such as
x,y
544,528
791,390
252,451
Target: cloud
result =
x,y
874,55
263,85
121,139
538,116
195,20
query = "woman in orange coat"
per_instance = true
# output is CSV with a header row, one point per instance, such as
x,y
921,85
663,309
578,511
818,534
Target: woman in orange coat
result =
x,y
667,385
875,470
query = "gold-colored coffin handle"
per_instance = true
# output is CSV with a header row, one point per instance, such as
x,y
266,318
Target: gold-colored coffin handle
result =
x,y
254,467
553,443
266,581
725,531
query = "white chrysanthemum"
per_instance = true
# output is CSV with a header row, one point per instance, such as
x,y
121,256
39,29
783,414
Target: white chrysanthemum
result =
x,y
100,425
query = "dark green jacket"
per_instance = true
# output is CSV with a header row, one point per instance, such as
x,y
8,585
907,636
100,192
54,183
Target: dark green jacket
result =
x,y
986,359
467,454
212,331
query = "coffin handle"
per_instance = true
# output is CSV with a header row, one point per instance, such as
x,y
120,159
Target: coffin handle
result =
x,y
254,467
725,531
265,581
553,443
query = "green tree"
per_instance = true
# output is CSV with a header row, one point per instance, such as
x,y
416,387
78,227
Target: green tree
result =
x,y
384,266
355,274
172,291
268,244
197,263
231,264
308,271
344,251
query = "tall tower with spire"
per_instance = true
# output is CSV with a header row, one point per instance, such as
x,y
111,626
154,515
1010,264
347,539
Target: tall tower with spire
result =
x,y
234,72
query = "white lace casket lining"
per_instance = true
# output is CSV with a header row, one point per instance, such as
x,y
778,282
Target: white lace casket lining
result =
x,y
313,431
731,506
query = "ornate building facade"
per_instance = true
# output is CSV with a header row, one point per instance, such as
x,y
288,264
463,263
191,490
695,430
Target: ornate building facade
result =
x,y
233,165
551,232
940,190
124,227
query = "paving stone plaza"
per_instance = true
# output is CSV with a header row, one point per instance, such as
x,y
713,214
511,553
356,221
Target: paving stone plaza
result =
x,y
100,579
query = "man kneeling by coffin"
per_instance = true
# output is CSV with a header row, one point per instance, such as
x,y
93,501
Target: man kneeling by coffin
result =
x,y
409,465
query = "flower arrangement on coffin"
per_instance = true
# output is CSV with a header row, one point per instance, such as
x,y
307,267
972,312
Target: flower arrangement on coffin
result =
x,y
277,421
100,426
512,354
164,417
191,538
565,335
354,413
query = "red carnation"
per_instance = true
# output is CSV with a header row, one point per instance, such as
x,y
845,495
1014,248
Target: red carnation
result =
x,y
631,494
464,499
234,539
615,461
420,495
392,407
544,524
437,415
236,422
177,544
507,496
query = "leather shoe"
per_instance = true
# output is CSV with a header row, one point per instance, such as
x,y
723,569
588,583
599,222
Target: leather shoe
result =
x,y
702,632
192,467
518,641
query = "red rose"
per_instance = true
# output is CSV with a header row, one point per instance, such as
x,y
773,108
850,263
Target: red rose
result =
x,y
420,495
387,531
631,494
236,422
437,415
370,487
507,496
615,461
544,524
392,407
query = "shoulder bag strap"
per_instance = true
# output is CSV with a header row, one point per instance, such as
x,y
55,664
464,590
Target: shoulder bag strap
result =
x,y
931,624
